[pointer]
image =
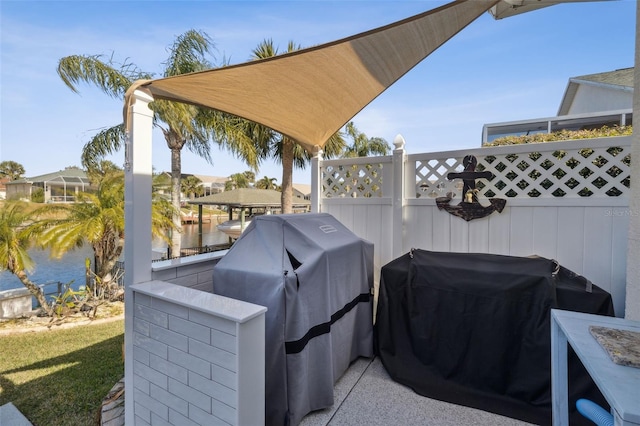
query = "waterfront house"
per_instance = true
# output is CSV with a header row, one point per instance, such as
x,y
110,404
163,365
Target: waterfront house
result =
x,y
57,187
210,184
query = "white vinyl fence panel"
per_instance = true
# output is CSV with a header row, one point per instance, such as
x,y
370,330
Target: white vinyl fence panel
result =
x,y
567,201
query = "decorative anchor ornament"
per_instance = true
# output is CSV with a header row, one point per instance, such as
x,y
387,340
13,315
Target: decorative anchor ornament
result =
x,y
470,208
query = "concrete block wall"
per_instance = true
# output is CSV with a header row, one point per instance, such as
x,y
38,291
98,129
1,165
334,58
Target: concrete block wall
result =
x,y
198,358
194,271
15,303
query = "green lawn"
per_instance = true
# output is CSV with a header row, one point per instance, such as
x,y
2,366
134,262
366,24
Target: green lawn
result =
x,y
60,377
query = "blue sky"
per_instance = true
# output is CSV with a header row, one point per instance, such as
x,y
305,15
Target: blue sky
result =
x,y
492,71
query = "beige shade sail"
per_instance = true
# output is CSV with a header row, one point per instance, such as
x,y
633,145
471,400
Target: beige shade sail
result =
x,y
308,95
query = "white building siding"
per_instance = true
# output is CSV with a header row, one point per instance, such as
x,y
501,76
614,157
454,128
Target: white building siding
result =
x,y
590,98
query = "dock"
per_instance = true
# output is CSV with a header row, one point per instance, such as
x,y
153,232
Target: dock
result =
x,y
190,218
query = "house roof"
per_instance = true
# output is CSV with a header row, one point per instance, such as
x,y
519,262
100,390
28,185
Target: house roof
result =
x,y
303,188
69,175
203,178
621,79
311,93
212,179
247,197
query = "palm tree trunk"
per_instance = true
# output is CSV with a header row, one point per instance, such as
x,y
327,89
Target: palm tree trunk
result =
x,y
34,290
105,273
286,200
176,171
107,251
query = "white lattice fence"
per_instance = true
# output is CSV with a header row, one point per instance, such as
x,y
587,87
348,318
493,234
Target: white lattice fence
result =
x,y
596,168
354,179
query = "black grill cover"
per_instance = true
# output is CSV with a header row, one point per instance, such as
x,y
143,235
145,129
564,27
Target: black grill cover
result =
x,y
474,329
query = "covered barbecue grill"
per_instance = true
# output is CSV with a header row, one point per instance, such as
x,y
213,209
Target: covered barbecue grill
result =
x,y
474,329
315,277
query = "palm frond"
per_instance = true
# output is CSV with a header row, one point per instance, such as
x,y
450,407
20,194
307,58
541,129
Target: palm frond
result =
x,y
247,140
105,142
77,69
379,146
201,147
174,114
334,146
14,240
265,49
362,145
188,53
292,47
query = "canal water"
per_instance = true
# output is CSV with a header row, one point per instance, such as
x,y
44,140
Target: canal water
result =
x,y
71,266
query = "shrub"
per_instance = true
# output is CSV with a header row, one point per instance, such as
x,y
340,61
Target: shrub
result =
x,y
563,135
37,195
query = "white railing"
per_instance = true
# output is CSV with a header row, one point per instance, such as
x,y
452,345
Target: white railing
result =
x,y
564,200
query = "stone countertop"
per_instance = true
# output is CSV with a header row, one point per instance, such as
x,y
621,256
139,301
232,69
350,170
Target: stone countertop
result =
x,y
623,346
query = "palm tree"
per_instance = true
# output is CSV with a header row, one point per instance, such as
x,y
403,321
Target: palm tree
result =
x,y
11,169
362,145
102,169
267,183
250,175
15,240
96,219
161,183
182,124
191,186
284,149
237,180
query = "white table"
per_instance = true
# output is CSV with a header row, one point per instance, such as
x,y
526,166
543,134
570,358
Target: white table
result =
x,y
619,384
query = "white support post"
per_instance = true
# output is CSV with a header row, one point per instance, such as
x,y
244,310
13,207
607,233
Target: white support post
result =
x,y
316,180
632,305
137,250
398,201
559,386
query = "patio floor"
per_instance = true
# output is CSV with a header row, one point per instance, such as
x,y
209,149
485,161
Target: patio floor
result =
x,y
367,395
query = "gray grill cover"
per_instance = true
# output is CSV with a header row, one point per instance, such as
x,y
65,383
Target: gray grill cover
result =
x,y
315,277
